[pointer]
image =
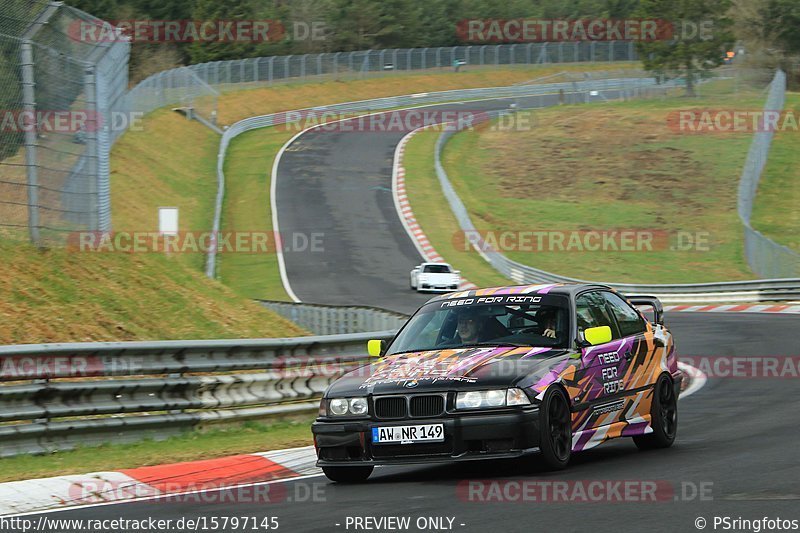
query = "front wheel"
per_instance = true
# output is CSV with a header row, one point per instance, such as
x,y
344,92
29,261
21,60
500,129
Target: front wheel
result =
x,y
663,415
555,428
347,474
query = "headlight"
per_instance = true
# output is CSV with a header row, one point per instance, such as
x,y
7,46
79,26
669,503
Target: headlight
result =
x,y
358,406
491,398
348,406
338,406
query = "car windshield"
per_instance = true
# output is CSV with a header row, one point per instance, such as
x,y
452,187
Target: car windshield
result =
x,y
436,269
515,320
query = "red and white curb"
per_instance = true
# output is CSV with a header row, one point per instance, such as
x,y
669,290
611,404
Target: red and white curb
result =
x,y
418,237
154,482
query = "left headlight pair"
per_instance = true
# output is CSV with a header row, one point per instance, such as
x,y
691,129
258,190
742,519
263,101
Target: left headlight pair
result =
x,y
345,407
491,398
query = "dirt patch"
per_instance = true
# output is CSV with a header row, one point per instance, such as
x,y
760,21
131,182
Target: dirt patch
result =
x,y
598,153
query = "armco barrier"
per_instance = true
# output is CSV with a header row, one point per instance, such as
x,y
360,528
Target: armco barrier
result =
x,y
54,396
334,319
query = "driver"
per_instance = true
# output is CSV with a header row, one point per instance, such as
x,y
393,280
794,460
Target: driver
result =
x,y
546,319
471,325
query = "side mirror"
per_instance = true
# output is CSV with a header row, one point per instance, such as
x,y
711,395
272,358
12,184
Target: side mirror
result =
x,y
376,347
598,335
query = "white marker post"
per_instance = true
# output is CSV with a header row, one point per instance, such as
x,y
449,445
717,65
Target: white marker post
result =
x,y
167,223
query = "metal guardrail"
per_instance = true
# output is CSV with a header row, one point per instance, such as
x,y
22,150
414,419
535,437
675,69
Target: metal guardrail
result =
x,y
335,320
765,256
393,102
735,291
57,396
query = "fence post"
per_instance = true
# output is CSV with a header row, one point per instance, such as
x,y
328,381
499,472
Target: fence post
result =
x,y
90,87
29,106
270,69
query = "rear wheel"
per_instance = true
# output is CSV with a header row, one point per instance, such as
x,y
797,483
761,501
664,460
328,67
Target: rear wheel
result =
x,y
664,417
348,474
555,441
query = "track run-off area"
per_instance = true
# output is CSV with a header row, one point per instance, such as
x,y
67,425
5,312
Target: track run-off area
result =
x,y
735,455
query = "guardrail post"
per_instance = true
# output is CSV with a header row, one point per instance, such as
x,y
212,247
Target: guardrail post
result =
x,y
439,57
611,51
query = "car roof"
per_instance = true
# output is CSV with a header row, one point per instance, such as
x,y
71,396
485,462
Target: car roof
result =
x,y
541,288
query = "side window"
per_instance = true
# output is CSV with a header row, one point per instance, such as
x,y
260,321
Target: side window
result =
x,y
629,321
591,312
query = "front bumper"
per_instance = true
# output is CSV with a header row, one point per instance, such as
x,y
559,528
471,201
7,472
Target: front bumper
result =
x,y
470,436
434,288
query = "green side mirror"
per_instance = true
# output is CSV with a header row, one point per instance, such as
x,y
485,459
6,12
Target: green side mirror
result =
x,y
375,347
598,335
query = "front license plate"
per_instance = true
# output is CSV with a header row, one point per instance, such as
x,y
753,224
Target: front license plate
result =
x,y
408,434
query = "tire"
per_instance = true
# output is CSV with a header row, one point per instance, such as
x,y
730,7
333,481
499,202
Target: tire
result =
x,y
664,417
347,474
555,430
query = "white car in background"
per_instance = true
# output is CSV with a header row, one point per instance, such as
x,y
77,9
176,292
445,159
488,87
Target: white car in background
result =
x,y
435,277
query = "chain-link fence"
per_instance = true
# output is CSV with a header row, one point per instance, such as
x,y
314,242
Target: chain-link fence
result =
x,y
766,258
60,95
197,86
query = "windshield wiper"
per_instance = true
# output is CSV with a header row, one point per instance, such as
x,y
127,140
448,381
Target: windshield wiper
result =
x,y
487,344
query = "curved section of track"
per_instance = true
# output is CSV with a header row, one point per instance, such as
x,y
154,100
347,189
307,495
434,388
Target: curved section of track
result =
x,y
338,185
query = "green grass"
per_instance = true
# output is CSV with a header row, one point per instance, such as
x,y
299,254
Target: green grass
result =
x,y
62,296
248,174
251,437
599,167
434,215
777,208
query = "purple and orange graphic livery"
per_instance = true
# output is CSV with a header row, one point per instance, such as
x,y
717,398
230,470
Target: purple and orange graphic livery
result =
x,y
506,372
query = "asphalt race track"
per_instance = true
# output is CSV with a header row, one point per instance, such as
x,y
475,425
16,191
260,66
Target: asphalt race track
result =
x,y
338,185
736,453
737,441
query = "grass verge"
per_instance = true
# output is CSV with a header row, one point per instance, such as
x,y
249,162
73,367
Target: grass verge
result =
x,y
598,168
248,173
251,437
777,208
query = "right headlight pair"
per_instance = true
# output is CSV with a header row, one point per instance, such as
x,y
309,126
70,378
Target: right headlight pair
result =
x,y
492,398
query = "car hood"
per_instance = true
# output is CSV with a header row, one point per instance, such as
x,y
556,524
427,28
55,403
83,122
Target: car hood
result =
x,y
443,370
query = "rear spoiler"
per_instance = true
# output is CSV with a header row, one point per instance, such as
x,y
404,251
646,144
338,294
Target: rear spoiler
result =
x,y
641,300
